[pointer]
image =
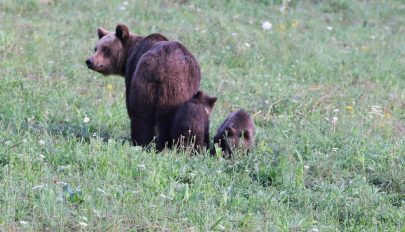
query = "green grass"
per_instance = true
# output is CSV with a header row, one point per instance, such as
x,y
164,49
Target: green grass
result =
x,y
321,59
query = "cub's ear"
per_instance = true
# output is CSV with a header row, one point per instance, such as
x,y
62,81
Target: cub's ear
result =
x,y
211,101
231,131
102,32
246,134
122,32
198,95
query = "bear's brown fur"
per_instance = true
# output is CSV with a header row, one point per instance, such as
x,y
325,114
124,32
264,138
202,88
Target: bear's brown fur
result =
x,y
159,75
237,131
191,122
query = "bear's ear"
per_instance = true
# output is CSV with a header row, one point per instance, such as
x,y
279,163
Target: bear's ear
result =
x,y
122,32
102,32
211,101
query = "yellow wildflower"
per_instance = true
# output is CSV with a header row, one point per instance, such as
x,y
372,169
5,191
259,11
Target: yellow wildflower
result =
x,y
280,27
110,88
294,23
349,109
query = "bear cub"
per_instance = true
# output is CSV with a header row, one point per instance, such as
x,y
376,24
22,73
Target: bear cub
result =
x,y
237,131
190,126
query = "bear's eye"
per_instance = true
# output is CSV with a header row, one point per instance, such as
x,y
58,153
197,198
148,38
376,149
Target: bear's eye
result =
x,y
106,50
95,49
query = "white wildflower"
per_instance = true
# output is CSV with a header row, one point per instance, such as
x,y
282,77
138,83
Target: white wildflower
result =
x,y
86,119
83,224
266,25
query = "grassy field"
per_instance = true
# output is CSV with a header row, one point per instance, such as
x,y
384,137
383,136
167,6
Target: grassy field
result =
x,y
326,86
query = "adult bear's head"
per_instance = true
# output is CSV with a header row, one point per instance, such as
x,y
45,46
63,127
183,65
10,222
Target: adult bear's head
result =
x,y
111,50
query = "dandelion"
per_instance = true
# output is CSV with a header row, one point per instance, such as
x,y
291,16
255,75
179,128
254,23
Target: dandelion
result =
x,y
110,88
329,28
349,108
86,119
294,23
266,25
41,142
247,44
23,222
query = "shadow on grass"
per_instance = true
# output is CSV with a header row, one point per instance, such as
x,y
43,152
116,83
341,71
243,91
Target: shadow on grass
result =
x,y
82,132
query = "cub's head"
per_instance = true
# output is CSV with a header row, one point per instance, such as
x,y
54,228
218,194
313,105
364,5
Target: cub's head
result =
x,y
239,138
109,53
206,100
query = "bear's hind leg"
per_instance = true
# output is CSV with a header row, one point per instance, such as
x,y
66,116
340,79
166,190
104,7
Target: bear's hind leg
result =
x,y
163,138
142,131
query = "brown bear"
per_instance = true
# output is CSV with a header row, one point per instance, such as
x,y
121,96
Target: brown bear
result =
x,y
237,131
159,76
190,126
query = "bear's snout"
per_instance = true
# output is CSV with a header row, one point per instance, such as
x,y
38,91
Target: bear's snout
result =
x,y
89,63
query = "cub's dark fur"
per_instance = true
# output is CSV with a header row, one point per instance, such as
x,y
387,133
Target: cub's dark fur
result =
x,y
237,131
191,122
